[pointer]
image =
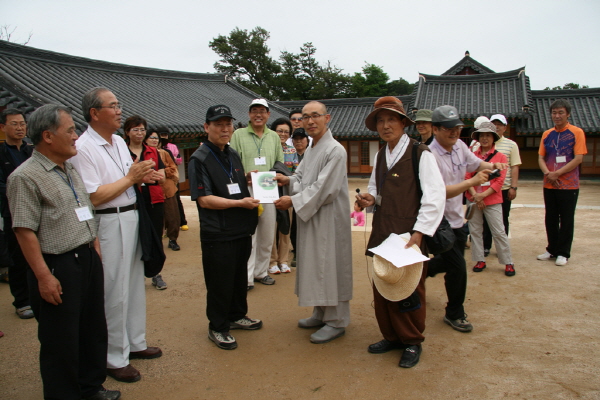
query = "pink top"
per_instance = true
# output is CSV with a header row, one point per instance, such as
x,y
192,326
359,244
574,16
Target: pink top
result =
x,y
495,184
172,147
360,217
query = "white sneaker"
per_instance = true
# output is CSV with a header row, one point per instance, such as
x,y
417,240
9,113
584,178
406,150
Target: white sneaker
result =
x,y
560,261
285,269
274,270
545,257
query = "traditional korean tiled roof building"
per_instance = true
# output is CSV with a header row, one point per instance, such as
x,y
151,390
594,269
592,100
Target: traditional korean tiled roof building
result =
x,y
32,77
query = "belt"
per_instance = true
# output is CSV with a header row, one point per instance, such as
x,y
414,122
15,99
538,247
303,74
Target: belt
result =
x,y
115,210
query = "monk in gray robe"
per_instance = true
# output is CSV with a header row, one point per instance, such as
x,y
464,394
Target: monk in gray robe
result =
x,y
319,195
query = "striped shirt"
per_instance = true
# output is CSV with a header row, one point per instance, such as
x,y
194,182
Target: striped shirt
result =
x,y
511,150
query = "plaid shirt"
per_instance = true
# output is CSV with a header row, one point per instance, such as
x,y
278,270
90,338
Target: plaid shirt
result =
x,y
40,198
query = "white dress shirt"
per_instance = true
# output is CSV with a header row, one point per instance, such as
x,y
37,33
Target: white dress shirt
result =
x,y
100,163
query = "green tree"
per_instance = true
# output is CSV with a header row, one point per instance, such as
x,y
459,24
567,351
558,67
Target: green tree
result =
x,y
570,85
245,57
399,87
371,83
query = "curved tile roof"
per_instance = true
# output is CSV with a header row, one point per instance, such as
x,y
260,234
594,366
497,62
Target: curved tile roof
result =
x,y
348,115
31,77
585,112
468,62
508,93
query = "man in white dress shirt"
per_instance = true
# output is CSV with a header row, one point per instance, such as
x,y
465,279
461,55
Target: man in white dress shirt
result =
x,y
109,174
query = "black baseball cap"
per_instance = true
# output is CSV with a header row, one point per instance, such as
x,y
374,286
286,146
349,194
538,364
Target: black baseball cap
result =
x,y
216,112
299,132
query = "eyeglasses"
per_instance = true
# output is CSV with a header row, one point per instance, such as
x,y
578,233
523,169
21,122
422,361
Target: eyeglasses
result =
x,y
455,129
153,137
258,112
313,116
18,124
116,107
299,119
142,130
282,131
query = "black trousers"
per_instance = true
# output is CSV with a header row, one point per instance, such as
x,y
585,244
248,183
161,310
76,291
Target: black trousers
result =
x,y
182,219
156,212
226,278
73,337
453,264
17,272
560,220
487,234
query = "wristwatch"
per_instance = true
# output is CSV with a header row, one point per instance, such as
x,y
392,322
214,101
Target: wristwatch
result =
x,y
512,187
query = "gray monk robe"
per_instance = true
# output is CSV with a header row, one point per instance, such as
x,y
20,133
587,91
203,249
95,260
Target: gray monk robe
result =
x,y
319,192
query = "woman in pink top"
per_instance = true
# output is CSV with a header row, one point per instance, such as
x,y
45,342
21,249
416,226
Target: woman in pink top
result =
x,y
358,216
488,202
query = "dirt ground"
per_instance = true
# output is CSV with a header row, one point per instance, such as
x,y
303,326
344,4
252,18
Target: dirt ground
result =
x,y
535,334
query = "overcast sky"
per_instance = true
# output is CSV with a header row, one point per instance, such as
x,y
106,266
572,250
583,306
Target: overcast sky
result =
x,y
557,41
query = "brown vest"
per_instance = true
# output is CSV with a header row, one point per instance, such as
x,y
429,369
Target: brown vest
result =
x,y
400,200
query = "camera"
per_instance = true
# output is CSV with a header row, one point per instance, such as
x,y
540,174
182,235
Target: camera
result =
x,y
494,174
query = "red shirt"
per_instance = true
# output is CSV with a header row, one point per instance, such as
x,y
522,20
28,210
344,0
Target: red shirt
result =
x,y
495,184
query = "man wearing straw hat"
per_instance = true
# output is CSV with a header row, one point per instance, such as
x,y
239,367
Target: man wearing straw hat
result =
x,y
401,205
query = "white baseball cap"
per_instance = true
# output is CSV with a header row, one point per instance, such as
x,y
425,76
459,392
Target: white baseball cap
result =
x,y
499,117
259,102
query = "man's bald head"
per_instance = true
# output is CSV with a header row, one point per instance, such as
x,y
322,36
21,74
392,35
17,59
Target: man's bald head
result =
x,y
315,119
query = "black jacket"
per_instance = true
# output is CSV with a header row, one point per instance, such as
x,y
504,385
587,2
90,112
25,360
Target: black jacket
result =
x,y
208,171
7,165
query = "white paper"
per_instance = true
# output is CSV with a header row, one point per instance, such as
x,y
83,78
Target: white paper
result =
x,y
264,186
392,249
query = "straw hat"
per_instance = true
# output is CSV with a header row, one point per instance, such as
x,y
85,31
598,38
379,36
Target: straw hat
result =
x,y
393,283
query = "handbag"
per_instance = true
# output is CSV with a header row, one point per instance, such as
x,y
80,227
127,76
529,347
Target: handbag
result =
x,y
443,239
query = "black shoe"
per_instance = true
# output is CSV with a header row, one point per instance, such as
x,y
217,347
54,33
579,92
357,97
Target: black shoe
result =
x,y
486,252
383,346
105,394
411,356
173,245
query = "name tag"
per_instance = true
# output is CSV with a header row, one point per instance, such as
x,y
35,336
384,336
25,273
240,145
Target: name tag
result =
x,y
561,159
234,188
130,192
378,200
260,161
486,184
83,213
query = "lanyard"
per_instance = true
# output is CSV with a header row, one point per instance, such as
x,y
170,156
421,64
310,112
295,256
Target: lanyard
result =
x,y
230,173
115,161
69,182
261,140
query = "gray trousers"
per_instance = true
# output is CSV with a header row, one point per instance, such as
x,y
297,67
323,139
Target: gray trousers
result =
x,y
493,216
334,316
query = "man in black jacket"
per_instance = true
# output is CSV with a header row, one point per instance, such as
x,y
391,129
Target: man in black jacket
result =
x,y
13,153
228,218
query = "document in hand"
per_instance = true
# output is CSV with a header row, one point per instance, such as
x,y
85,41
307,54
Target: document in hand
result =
x,y
264,186
392,249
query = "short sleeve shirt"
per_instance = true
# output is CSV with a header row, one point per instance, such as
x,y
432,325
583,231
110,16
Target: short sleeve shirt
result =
x,y
100,163
249,146
41,199
566,143
453,166
511,150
